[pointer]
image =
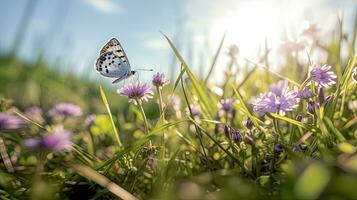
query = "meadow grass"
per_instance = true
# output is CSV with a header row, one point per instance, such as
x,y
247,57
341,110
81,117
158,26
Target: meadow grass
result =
x,y
188,141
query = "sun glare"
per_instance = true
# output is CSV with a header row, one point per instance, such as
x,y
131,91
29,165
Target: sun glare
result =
x,y
248,26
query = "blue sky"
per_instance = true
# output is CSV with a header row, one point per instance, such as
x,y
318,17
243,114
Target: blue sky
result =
x,y
70,32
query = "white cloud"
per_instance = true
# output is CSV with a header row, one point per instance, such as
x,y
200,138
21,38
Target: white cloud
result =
x,y
106,6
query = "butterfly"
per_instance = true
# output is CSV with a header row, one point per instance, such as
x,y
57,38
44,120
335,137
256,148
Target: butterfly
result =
x,y
113,62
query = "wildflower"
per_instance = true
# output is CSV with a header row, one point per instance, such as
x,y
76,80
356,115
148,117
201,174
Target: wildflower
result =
x,y
10,122
136,92
34,113
278,100
195,110
303,94
248,123
311,31
322,75
354,74
159,80
233,51
226,104
227,131
278,149
299,118
321,96
236,137
174,101
58,140
292,46
90,120
66,110
311,107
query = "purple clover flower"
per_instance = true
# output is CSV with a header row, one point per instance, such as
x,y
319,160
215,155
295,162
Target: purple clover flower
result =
x,y
278,100
57,140
226,104
136,92
10,122
322,75
66,110
159,80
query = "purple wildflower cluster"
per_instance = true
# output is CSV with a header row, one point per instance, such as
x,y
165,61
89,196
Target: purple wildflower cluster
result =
x,y
10,122
281,99
57,140
278,100
66,110
136,92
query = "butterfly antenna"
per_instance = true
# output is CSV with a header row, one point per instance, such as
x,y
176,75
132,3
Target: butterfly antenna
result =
x,y
148,70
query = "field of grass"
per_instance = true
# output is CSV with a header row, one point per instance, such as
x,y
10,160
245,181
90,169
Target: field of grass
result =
x,y
66,137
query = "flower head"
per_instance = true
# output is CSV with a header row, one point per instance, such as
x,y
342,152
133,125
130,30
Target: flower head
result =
x,y
226,104
66,110
10,122
136,92
236,136
302,94
233,50
278,148
311,105
248,123
57,140
159,80
322,75
278,100
34,113
90,119
195,109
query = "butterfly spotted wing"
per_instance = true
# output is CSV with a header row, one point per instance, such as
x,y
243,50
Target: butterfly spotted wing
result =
x,y
112,61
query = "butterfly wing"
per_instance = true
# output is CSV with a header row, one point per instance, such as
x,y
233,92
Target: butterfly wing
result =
x,y
113,45
110,65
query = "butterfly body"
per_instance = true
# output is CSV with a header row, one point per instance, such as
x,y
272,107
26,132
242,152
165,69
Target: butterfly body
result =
x,y
113,62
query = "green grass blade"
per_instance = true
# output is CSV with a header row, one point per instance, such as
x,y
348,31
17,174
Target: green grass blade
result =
x,y
330,110
215,59
106,104
197,87
132,147
332,127
243,107
297,123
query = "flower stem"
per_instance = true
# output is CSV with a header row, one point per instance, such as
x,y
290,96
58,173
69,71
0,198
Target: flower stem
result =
x,y
162,116
146,126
